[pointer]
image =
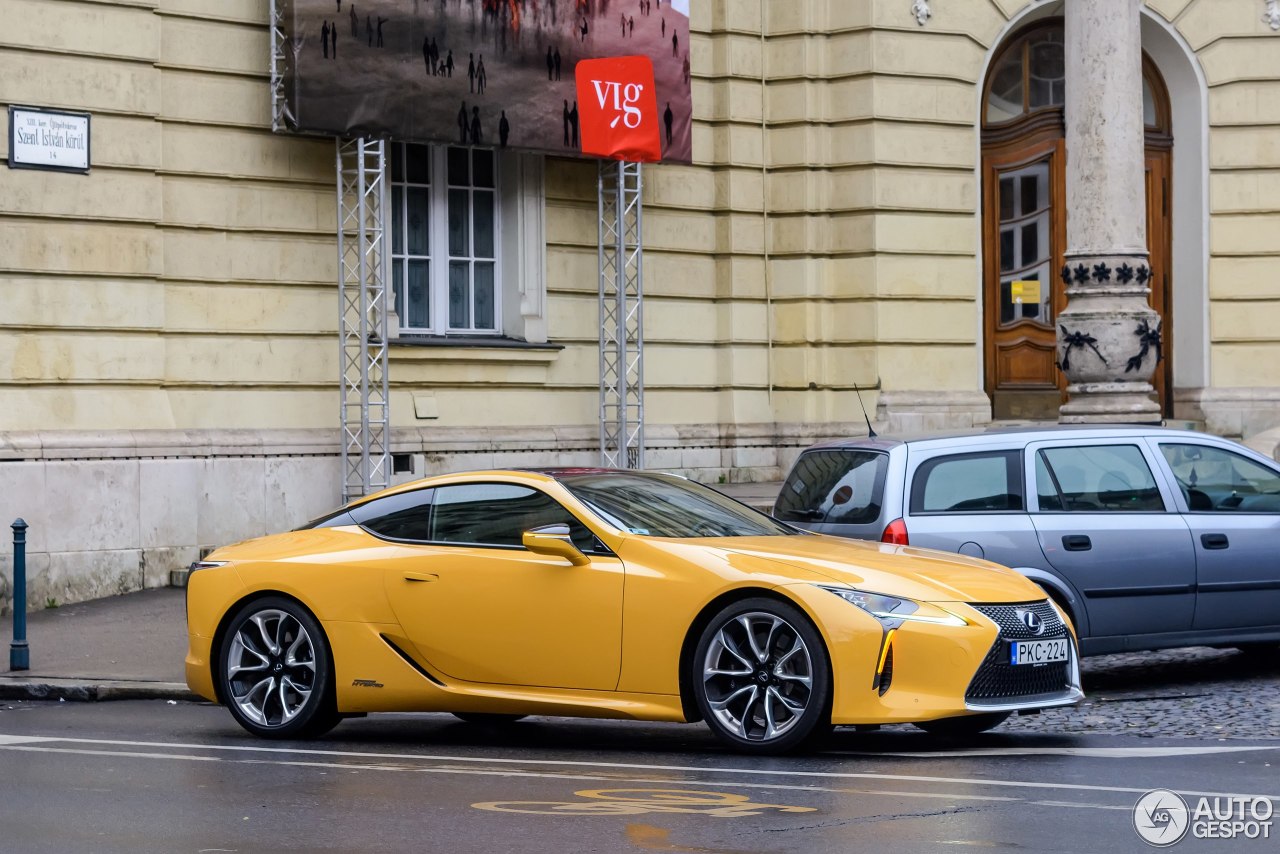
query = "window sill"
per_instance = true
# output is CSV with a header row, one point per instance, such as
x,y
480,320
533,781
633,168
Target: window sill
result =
x,y
455,349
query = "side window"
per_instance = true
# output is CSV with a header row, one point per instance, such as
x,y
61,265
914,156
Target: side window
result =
x,y
498,514
404,516
841,487
968,483
1096,478
1214,480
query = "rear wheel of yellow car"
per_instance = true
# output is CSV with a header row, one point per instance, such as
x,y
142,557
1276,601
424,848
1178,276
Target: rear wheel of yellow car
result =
x,y
275,670
965,724
761,677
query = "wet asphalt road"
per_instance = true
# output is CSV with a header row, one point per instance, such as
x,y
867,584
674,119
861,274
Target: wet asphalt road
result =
x,y
157,776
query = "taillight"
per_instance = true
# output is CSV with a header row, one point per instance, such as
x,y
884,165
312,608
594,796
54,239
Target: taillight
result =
x,y
895,534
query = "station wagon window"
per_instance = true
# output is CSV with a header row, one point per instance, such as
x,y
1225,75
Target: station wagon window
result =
x,y
1219,481
968,483
1096,478
842,487
498,514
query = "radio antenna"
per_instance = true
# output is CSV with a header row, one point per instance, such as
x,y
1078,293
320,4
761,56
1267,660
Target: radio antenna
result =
x,y
871,433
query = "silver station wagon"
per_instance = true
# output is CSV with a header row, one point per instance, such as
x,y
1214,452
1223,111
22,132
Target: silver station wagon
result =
x,y
1147,537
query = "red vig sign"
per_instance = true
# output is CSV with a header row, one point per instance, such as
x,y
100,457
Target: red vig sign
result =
x,y
618,109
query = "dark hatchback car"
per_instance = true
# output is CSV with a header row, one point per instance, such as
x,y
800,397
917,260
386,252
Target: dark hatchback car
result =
x,y
1147,537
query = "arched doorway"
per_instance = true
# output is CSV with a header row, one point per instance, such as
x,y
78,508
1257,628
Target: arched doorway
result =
x,y
1024,220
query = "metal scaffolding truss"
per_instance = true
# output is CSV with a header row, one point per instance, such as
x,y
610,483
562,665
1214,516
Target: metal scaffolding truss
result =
x,y
621,315
283,50
362,322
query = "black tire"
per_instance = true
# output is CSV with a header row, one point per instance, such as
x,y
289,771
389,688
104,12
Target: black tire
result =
x,y
488,719
270,642
965,724
734,706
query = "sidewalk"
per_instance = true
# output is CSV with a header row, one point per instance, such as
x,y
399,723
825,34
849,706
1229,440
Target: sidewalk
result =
x,y
131,647
128,647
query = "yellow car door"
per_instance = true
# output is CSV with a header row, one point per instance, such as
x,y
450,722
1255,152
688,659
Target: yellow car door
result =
x,y
481,608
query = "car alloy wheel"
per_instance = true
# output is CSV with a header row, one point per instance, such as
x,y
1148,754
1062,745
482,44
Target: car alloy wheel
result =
x,y
275,670
760,676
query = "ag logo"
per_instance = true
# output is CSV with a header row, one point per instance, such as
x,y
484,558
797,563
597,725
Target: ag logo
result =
x,y
1161,818
619,108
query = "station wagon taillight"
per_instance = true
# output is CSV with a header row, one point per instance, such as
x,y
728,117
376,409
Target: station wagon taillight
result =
x,y
895,534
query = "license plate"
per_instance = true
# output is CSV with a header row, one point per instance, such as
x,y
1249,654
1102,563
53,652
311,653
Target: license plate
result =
x,y
1038,652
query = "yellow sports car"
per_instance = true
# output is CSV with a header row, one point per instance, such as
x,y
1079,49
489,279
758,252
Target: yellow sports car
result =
x,y
613,594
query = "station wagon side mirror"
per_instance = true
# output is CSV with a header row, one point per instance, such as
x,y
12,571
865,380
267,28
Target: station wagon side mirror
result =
x,y
554,540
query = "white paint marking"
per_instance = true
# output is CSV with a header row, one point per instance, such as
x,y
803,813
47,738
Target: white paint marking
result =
x,y
22,739
1093,752
631,766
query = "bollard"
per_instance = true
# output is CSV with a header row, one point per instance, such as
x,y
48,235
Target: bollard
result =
x,y
19,655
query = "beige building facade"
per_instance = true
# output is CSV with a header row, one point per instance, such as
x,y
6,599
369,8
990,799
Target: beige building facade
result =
x,y
169,360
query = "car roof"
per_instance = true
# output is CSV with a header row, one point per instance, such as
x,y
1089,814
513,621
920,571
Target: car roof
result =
x,y
1028,432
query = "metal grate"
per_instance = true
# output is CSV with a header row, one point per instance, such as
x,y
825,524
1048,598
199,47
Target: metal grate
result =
x,y
997,679
1012,627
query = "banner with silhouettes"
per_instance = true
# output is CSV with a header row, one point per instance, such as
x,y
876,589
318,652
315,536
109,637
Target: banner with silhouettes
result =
x,y
494,73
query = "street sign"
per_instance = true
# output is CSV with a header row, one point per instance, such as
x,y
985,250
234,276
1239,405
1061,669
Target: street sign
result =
x,y
48,139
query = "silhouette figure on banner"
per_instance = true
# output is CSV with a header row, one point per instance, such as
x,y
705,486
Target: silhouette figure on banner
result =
x,y
668,118
504,129
675,43
333,41
582,28
482,78
631,26
573,123
551,64
557,60
462,124
471,72
476,138
448,64
381,21
324,39
566,123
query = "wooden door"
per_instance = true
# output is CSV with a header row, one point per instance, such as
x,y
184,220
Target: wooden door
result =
x,y
1160,245
1025,230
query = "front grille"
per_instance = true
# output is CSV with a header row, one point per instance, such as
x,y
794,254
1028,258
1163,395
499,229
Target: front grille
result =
x,y
997,679
1012,627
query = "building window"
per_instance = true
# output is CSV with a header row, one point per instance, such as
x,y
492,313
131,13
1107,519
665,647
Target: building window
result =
x,y
444,239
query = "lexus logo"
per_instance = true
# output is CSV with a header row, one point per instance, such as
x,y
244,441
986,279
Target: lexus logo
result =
x,y
1032,621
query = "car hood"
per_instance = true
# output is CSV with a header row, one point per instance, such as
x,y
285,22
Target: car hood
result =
x,y
921,574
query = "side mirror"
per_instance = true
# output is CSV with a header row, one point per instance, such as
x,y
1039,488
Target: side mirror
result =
x,y
554,540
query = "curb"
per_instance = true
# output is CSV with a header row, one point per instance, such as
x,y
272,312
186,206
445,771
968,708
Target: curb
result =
x,y
81,690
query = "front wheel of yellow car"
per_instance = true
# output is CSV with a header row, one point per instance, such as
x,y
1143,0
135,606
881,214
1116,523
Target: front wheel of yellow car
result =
x,y
274,670
761,677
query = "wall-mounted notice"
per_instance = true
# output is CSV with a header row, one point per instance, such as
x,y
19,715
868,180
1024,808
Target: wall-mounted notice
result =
x,y
48,139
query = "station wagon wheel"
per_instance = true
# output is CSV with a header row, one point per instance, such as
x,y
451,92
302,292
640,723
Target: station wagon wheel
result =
x,y
760,676
275,671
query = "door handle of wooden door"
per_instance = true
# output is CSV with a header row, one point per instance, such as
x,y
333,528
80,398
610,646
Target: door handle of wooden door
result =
x,y
421,576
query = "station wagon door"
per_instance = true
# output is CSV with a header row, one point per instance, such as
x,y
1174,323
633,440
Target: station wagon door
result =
x,y
1231,503
1108,525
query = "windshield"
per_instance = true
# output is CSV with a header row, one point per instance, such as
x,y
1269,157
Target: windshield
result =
x,y
659,505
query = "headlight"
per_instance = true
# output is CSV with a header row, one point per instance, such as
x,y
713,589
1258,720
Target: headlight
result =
x,y
893,610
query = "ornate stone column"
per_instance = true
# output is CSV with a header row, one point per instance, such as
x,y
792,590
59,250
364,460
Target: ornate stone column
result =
x,y
1108,336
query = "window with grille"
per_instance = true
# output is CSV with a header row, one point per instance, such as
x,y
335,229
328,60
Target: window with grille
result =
x,y
444,239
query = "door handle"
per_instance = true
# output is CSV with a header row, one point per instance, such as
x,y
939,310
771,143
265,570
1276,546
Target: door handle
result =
x,y
1076,543
421,576
1214,541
